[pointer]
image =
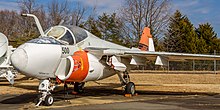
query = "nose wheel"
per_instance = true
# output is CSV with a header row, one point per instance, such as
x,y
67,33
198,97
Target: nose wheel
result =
x,y
45,99
48,100
45,95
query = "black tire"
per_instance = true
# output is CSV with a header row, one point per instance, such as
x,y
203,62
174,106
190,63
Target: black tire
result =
x,y
130,88
79,87
49,100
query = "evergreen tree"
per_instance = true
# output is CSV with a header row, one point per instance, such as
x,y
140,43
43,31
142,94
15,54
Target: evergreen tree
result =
x,y
188,39
110,27
170,39
208,38
202,47
181,36
91,26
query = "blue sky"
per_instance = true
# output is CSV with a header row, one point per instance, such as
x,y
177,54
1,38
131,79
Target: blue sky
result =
x,y
198,11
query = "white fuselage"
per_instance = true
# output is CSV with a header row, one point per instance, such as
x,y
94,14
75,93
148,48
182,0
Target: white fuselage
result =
x,y
43,60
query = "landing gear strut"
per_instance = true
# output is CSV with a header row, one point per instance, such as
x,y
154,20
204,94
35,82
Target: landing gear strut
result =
x,y
129,87
45,96
79,87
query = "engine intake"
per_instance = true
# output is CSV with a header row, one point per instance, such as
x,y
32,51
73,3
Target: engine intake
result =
x,y
74,68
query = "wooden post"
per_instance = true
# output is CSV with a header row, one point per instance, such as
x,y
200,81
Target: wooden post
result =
x,y
168,65
193,65
215,62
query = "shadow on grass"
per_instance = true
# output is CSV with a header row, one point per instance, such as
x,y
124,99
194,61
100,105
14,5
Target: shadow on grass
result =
x,y
105,89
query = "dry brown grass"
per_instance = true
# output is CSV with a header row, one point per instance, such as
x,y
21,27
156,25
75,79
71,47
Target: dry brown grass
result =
x,y
144,82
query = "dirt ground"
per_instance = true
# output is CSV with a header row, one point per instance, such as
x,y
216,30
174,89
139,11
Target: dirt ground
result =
x,y
191,88
197,83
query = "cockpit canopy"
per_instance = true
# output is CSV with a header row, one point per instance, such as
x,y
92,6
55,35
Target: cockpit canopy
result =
x,y
63,34
69,34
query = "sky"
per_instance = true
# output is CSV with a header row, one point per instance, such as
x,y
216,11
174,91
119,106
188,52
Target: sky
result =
x,y
198,11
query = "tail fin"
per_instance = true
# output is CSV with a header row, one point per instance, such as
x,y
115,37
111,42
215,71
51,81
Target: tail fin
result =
x,y
146,42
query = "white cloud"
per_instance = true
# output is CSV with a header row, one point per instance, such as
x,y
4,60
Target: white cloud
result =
x,y
8,5
200,11
107,6
185,3
192,7
203,10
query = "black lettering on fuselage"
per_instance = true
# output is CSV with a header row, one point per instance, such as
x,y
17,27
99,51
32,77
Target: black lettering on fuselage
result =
x,y
65,50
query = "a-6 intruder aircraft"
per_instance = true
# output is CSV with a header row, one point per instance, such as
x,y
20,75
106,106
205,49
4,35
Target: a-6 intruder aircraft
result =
x,y
73,55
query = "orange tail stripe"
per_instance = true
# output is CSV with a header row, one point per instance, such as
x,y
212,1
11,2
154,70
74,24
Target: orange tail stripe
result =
x,y
145,36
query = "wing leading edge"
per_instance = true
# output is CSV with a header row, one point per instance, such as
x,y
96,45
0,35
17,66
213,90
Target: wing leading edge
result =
x,y
174,56
160,57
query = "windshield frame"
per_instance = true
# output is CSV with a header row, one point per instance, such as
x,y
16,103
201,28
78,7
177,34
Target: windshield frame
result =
x,y
45,40
79,33
65,31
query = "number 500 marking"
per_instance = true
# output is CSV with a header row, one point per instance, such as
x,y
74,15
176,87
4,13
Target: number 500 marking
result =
x,y
65,50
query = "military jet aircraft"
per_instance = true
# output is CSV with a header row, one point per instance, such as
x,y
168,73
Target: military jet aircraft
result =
x,y
71,54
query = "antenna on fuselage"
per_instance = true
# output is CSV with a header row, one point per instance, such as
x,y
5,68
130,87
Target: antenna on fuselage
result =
x,y
37,23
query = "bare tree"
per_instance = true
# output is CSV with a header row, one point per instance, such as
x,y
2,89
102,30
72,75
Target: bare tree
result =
x,y
58,11
19,29
8,22
26,25
78,14
11,24
28,6
41,14
138,14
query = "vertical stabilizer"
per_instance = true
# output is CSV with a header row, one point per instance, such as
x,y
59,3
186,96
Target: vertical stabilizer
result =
x,y
146,42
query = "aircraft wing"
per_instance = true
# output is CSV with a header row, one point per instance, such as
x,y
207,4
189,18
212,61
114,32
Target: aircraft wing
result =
x,y
138,57
173,56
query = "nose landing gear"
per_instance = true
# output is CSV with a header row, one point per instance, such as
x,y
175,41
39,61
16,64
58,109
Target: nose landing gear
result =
x,y
45,96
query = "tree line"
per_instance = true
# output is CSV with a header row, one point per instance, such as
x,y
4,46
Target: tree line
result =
x,y
183,37
171,31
